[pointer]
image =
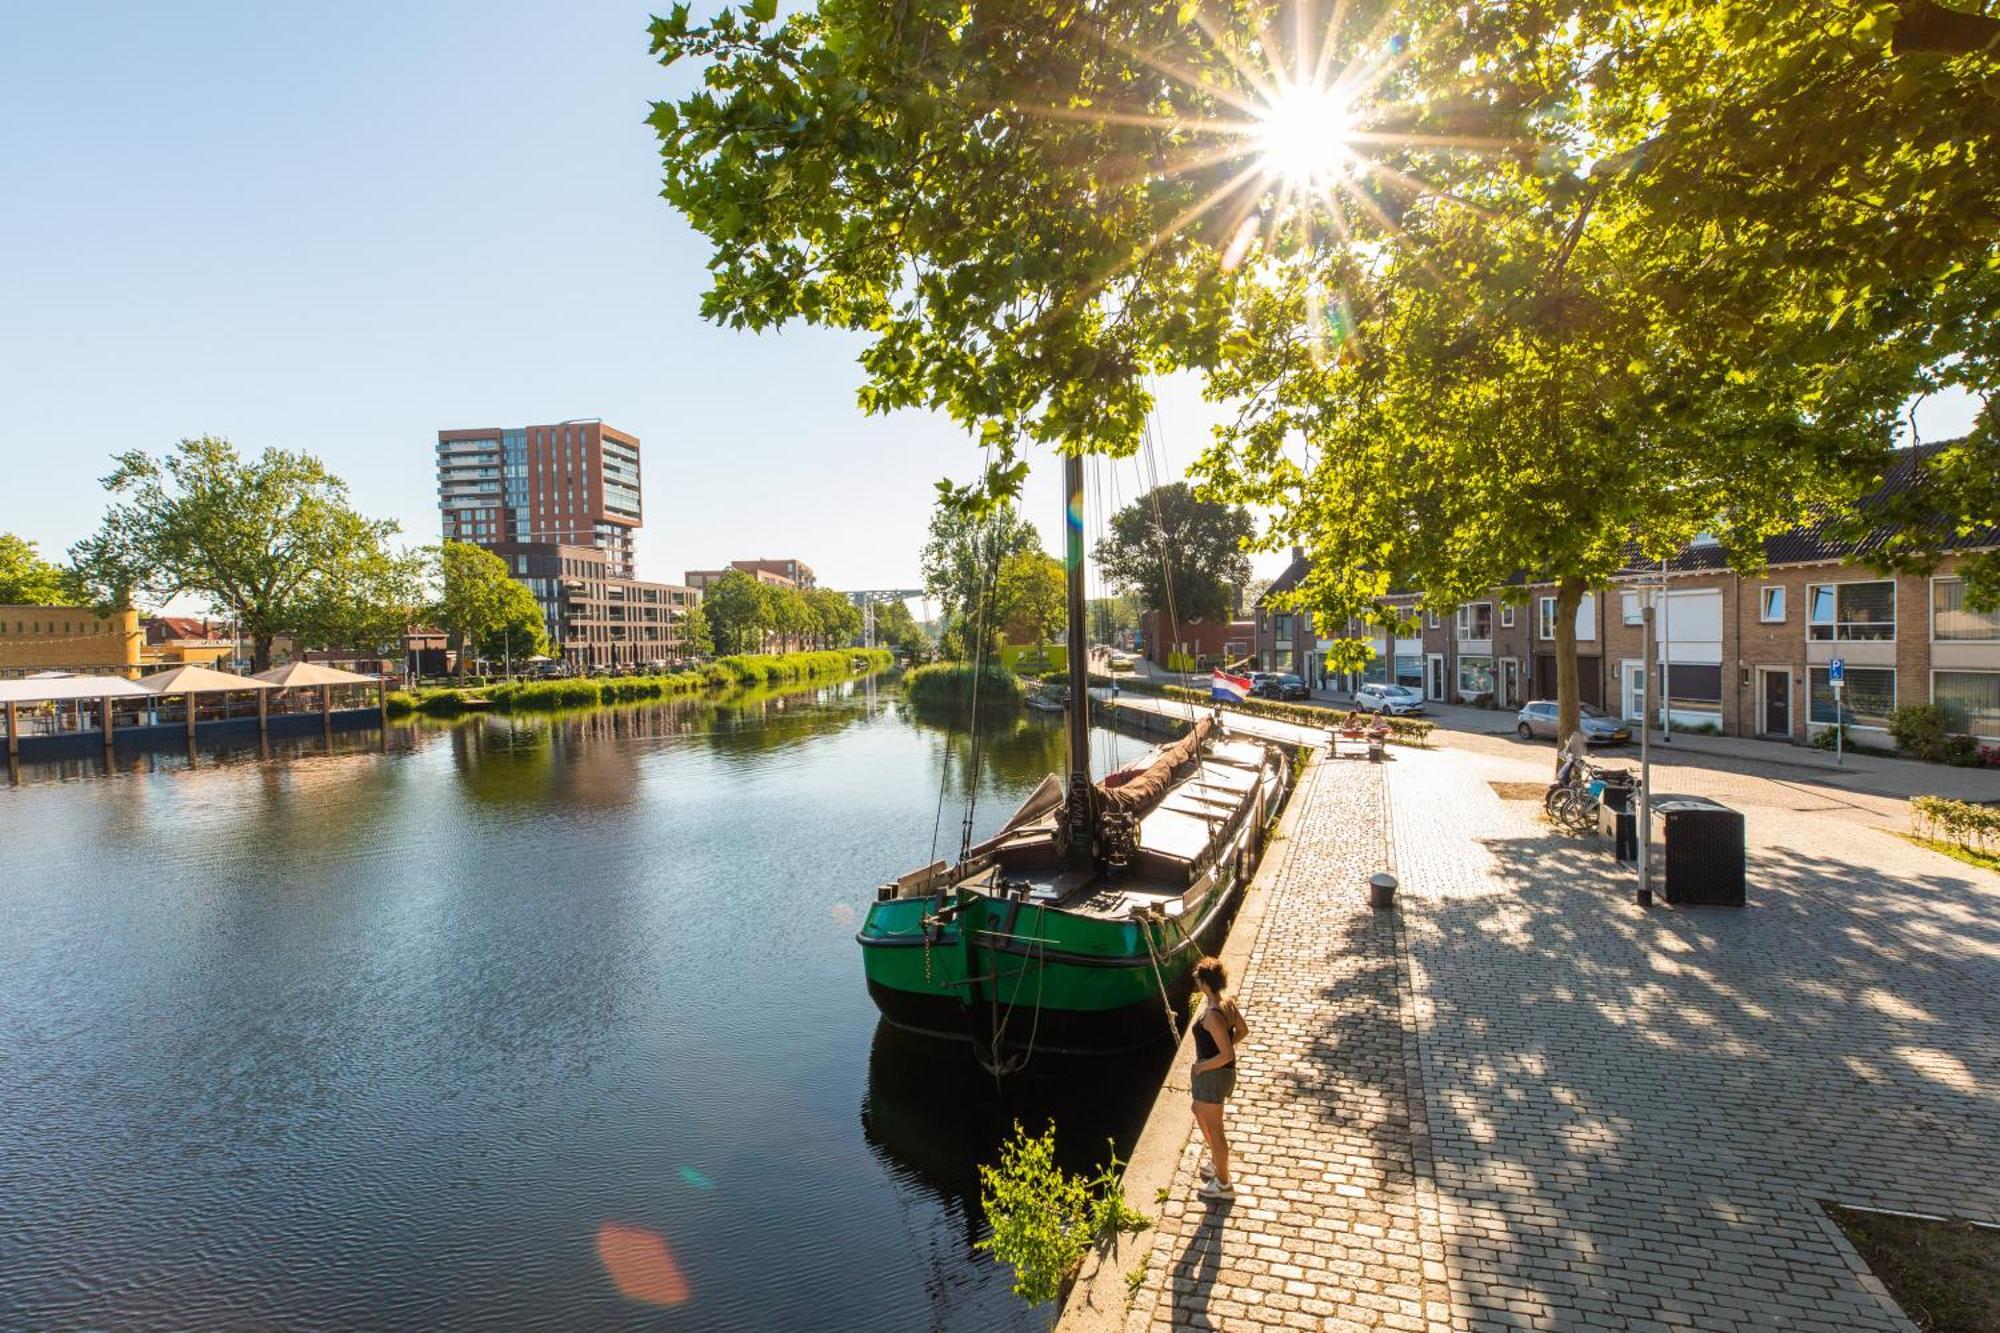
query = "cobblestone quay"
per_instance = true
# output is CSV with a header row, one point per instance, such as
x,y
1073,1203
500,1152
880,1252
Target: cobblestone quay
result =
x,y
1519,1101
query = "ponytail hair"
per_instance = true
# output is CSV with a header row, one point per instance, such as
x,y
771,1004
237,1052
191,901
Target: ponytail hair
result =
x,y
1211,973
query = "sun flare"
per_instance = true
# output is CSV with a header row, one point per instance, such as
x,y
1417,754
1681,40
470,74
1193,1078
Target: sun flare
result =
x,y
1302,137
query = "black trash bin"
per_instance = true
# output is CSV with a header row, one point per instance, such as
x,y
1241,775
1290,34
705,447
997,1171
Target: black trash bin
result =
x,y
1620,823
1699,848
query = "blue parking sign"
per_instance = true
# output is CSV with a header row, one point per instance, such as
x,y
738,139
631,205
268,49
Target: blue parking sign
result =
x,y
1836,671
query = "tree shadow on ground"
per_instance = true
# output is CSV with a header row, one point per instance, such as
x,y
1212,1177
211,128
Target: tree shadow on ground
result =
x,y
1635,1109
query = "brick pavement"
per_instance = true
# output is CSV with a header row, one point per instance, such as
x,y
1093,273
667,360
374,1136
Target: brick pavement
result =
x,y
1328,1230
1523,1102
1633,1113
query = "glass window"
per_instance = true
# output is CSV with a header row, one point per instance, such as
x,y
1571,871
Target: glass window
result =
x,y
1771,605
1951,618
1475,676
1476,621
1506,615
1434,623
1852,612
1410,671
1870,696
1629,608
1545,618
1970,701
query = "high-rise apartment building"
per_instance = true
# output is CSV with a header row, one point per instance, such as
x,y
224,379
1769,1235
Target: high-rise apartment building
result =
x,y
560,504
575,483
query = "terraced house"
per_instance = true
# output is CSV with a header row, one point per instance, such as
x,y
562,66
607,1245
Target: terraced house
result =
x,y
1741,655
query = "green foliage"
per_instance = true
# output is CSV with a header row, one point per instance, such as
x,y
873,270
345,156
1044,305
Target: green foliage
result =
x,y
28,580
1045,1219
383,595
1832,738
962,561
696,638
1029,597
1199,543
485,610
738,612
1965,823
948,686
1110,616
1614,275
1919,730
588,691
269,541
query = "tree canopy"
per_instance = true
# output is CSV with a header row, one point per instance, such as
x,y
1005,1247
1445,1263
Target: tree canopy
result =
x,y
1028,597
1171,549
1560,283
267,540
738,614
964,553
489,612
28,580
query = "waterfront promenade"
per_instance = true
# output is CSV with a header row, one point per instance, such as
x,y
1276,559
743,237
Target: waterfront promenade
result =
x,y
1520,1101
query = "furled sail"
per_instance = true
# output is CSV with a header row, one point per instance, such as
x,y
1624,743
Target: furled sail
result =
x,y
1141,789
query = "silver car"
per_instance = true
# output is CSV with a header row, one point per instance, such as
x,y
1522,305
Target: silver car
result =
x,y
1395,700
1598,727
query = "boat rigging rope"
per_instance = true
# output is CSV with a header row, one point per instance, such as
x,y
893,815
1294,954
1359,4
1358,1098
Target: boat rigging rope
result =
x,y
997,1065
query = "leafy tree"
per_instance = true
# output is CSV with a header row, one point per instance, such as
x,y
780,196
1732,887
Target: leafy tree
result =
x,y
738,612
895,626
484,609
261,540
837,621
696,640
28,580
1112,616
962,560
1028,597
1593,279
1173,550
384,596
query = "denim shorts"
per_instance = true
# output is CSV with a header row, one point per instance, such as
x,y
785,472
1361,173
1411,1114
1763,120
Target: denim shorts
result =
x,y
1213,1086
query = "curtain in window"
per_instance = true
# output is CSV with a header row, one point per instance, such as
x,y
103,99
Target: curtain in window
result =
x,y
1970,701
1954,619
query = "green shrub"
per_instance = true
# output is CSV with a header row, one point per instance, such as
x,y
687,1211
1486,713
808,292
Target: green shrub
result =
x,y
401,703
948,685
1823,739
1967,823
1044,1218
1920,731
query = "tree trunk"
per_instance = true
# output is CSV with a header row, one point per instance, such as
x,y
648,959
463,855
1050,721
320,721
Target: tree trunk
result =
x,y
1569,701
260,652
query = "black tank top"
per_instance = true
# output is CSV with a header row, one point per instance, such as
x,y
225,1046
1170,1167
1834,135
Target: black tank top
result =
x,y
1204,1040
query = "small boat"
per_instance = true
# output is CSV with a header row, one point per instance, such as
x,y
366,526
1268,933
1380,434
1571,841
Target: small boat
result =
x,y
1045,698
1074,928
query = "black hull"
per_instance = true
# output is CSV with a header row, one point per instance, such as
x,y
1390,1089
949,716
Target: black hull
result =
x,y
1069,1032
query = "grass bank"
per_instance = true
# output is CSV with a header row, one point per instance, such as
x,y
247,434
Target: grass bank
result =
x,y
585,692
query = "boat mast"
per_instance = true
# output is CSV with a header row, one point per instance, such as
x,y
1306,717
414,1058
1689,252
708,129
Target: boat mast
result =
x,y
1078,818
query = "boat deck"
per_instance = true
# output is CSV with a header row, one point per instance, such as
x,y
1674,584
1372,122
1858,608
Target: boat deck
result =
x,y
1176,836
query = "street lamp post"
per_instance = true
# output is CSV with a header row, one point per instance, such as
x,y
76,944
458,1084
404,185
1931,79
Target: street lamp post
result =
x,y
1644,897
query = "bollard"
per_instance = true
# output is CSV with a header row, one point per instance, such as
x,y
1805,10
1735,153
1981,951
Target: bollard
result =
x,y
1382,890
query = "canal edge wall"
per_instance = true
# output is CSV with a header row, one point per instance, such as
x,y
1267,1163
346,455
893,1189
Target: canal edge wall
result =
x,y
1100,1298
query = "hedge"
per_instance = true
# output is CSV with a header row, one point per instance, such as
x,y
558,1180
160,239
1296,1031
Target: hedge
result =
x,y
1967,823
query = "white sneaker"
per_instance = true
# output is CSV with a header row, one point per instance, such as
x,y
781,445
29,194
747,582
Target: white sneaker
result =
x,y
1215,1189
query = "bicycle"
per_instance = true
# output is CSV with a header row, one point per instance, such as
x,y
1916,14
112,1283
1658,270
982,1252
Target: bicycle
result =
x,y
1573,804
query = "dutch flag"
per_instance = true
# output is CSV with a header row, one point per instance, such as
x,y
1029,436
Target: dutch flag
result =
x,y
1228,689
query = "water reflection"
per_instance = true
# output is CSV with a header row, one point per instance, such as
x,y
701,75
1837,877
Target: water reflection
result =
x,y
546,1022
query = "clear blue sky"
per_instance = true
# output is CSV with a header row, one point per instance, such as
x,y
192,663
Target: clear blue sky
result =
x,y
339,228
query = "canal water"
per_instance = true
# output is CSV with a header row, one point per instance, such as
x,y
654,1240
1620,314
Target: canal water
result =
x,y
521,1024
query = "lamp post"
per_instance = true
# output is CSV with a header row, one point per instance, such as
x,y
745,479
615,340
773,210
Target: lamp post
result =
x,y
1647,599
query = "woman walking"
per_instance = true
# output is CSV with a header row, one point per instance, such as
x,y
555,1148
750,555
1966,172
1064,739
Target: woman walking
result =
x,y
1217,1029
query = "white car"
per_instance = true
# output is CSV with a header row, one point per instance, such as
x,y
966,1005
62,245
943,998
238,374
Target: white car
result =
x,y
1395,700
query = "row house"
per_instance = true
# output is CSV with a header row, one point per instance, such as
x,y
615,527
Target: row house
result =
x,y
1739,655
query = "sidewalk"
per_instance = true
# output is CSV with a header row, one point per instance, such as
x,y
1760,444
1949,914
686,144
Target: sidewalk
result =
x,y
1519,1101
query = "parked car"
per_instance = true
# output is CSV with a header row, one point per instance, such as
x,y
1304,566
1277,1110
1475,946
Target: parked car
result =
x,y
1599,727
1122,661
1279,686
1395,700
